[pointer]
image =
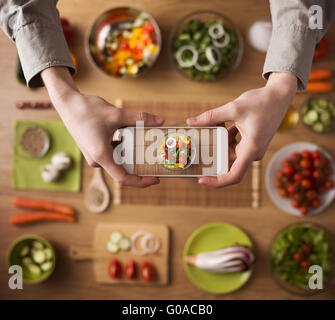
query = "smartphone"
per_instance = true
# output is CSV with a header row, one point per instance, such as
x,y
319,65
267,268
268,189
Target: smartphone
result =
x,y
173,151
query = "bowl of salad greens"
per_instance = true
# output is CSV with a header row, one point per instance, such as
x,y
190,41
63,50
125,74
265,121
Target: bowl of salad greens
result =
x,y
205,45
318,114
35,255
296,251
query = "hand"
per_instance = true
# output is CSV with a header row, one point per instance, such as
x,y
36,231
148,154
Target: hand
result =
x,y
92,122
256,115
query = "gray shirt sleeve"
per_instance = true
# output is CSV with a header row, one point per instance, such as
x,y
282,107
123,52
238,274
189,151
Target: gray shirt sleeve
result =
x,y
35,27
293,42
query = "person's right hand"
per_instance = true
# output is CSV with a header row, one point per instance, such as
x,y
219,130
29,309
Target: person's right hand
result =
x,y
92,122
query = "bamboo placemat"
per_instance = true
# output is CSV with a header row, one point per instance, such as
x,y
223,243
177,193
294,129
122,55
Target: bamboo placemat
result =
x,y
187,191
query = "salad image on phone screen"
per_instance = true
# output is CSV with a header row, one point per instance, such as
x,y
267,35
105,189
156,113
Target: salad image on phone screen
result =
x,y
176,151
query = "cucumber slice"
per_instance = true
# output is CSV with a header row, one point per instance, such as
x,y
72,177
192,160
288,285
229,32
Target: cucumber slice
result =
x,y
116,237
38,245
34,269
305,109
311,117
125,244
46,266
318,127
48,254
39,256
24,251
325,118
113,247
323,103
26,261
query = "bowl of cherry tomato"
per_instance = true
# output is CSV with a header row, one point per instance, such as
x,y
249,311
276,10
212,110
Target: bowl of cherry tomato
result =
x,y
123,42
300,179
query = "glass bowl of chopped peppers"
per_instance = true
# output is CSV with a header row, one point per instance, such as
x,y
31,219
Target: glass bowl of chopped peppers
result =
x,y
205,45
123,42
177,151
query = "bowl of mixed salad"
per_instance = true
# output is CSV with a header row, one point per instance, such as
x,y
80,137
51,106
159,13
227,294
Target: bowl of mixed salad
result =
x,y
123,42
295,250
177,151
204,45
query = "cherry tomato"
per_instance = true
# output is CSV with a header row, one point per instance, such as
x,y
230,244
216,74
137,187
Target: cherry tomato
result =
x,y
298,196
321,190
130,270
316,154
283,193
307,248
280,175
310,194
306,173
114,268
316,175
278,184
288,171
297,176
292,188
298,256
296,157
329,184
295,203
305,163
306,183
316,203
306,154
304,210
317,163
305,264
148,271
67,29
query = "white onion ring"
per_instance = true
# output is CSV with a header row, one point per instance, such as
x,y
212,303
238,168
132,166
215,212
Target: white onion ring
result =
x,y
145,250
206,67
222,44
216,31
210,56
145,240
183,63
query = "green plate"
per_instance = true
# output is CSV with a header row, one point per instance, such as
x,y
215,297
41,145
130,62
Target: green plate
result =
x,y
212,237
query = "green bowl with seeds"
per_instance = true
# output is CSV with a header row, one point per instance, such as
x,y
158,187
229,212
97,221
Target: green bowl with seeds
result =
x,y
35,255
205,45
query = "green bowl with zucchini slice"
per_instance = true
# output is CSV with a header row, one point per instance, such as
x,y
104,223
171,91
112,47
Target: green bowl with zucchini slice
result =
x,y
205,45
318,114
35,255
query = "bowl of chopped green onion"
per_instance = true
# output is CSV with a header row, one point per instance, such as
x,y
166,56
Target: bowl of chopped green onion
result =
x,y
205,45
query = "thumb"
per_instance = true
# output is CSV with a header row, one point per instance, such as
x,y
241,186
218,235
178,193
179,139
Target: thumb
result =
x,y
130,117
213,117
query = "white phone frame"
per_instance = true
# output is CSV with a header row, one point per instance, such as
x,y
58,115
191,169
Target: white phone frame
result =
x,y
222,153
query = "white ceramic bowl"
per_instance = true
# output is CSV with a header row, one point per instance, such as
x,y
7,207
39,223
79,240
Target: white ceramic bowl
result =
x,y
275,165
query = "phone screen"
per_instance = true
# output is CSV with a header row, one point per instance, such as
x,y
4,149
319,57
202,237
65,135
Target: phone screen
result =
x,y
176,152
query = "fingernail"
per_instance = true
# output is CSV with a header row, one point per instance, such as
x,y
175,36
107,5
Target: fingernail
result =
x,y
159,119
201,181
190,120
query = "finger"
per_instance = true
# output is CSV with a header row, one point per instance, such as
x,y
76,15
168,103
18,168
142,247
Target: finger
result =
x,y
236,172
89,159
130,117
118,173
213,117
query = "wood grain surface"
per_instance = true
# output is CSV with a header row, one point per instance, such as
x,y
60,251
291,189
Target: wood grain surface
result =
x,y
71,281
98,255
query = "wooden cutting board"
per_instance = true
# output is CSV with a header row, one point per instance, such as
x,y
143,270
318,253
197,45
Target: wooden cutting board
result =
x,y
101,257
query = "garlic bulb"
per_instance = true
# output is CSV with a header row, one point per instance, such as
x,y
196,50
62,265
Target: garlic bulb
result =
x,y
259,35
61,161
50,173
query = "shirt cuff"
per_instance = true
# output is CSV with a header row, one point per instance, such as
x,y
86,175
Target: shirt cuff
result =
x,y
41,46
291,50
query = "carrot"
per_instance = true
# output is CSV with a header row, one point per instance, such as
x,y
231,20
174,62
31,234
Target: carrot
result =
x,y
319,86
320,74
31,217
38,204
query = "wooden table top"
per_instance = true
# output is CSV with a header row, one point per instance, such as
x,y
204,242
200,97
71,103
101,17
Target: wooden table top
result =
x,y
72,280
